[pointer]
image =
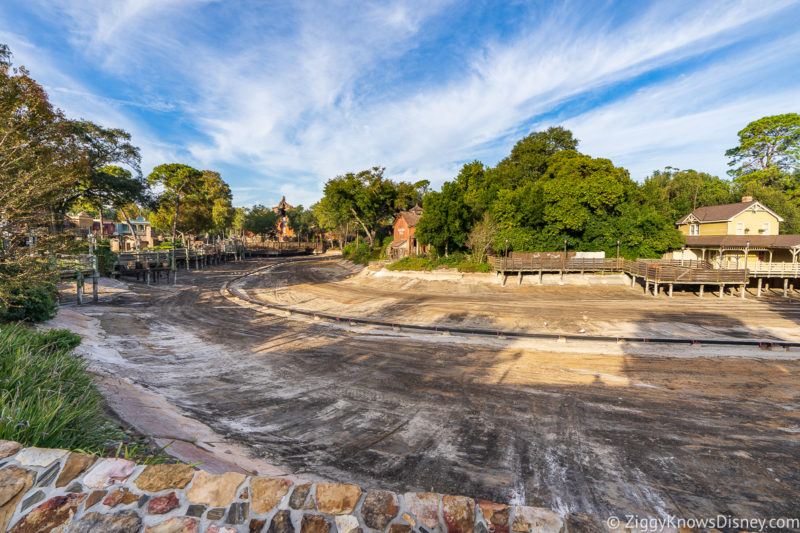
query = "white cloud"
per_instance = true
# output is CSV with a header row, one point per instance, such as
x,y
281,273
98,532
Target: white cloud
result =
x,y
299,94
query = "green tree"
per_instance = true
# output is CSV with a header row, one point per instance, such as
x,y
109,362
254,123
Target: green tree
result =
x,y
675,193
446,219
260,220
367,197
768,150
40,163
179,183
302,221
530,156
120,190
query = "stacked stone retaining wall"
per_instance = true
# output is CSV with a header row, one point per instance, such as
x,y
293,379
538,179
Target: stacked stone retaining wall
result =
x,y
57,490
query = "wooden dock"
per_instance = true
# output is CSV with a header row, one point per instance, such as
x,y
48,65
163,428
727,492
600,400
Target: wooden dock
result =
x,y
652,273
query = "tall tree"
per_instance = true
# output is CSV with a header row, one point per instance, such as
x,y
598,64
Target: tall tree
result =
x,y
768,150
368,197
179,182
260,220
446,219
39,165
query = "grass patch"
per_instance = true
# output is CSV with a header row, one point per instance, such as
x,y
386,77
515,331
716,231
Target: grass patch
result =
x,y
456,260
48,399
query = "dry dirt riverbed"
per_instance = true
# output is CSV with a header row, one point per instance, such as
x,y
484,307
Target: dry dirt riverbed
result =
x,y
580,427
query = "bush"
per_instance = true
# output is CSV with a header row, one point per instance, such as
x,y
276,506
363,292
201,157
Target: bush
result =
x,y
33,302
48,398
469,266
412,263
359,254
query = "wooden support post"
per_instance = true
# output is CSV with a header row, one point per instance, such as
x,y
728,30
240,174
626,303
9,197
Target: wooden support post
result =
x,y
744,286
670,290
655,289
504,279
541,274
519,278
79,283
95,286
646,286
722,290
562,275
701,290
785,287
758,292
633,281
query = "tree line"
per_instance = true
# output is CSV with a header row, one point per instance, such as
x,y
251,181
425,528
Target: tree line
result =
x,y
546,195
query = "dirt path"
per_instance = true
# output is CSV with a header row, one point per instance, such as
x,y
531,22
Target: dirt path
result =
x,y
579,427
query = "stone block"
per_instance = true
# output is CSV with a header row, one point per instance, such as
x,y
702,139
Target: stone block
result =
x,y
458,513
379,508
400,528
176,524
47,477
75,465
33,499
39,456
121,496
107,472
55,513
196,510
120,522
216,491
156,478
163,504
238,513
14,483
220,529
281,523
267,492
300,497
337,498
424,506
8,448
346,523
536,519
315,524
496,516
94,497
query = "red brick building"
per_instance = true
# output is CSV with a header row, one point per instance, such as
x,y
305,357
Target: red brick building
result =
x,y
404,243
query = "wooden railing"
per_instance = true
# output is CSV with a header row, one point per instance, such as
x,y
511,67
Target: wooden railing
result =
x,y
657,272
767,269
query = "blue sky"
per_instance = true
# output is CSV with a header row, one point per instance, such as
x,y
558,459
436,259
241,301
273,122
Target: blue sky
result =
x,y
281,96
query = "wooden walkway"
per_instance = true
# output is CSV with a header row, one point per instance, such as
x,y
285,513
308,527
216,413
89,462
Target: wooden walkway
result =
x,y
654,274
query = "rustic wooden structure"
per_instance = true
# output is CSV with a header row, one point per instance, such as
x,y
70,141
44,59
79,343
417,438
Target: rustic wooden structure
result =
x,y
654,274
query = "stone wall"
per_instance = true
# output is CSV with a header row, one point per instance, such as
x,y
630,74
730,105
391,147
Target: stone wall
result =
x,y
56,490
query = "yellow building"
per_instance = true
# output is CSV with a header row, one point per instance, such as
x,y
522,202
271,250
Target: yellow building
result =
x,y
735,235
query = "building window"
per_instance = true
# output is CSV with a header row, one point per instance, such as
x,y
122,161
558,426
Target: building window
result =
x,y
694,229
740,228
401,230
765,227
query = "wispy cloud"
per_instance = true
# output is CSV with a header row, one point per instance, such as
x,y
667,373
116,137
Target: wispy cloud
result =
x,y
289,95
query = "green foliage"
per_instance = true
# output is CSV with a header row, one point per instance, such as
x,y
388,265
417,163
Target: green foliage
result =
x,y
48,398
768,150
675,193
302,221
34,301
260,220
367,200
360,253
456,260
446,220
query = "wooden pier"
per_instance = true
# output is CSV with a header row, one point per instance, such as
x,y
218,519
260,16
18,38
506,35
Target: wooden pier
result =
x,y
653,274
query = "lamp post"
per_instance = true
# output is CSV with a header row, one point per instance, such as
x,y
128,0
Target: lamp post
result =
x,y
505,258
683,253
564,260
617,251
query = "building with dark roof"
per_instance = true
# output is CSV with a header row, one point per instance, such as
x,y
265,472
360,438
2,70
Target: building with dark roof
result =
x,y
404,243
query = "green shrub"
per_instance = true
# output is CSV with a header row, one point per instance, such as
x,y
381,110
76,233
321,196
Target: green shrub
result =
x,y
33,302
105,258
359,254
48,398
469,266
412,263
